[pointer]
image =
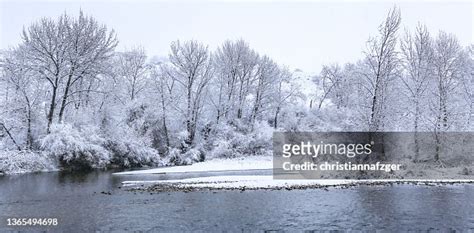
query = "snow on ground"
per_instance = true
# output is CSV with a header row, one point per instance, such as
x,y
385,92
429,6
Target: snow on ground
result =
x,y
267,182
215,165
20,162
251,181
231,182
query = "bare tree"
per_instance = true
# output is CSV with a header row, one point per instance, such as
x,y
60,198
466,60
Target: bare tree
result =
x,y
448,67
381,58
25,86
467,85
65,51
228,59
448,63
332,78
192,69
164,85
90,46
133,69
417,51
266,77
285,90
235,66
46,43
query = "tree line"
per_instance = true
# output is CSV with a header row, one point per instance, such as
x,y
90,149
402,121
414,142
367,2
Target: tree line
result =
x,y
406,81
66,78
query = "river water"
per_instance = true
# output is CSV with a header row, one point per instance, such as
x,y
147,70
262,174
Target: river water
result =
x,y
79,203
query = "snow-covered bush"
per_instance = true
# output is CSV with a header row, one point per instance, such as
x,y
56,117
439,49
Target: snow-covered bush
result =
x,y
262,138
15,162
132,154
222,149
131,146
192,155
229,141
327,119
177,157
173,156
76,148
86,147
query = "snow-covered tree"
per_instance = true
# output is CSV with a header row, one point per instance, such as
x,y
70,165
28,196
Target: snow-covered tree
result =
x,y
333,85
132,70
448,68
192,71
235,64
381,60
417,60
64,51
285,94
25,93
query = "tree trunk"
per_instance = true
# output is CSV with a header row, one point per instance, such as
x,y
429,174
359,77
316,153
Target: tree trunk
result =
x,y
275,120
51,110
373,124
417,143
64,100
438,147
241,100
165,127
29,136
189,118
11,137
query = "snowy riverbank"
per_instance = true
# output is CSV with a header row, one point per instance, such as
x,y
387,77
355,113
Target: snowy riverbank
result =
x,y
21,162
266,182
242,182
215,165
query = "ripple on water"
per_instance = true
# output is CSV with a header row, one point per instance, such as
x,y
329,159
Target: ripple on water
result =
x,y
78,204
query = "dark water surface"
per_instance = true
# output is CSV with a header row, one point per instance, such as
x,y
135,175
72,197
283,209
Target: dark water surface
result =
x,y
76,200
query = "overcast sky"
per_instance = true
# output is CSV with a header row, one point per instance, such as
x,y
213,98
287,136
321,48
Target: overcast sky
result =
x,y
302,34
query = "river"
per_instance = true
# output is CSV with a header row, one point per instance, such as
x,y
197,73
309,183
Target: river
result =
x,y
81,202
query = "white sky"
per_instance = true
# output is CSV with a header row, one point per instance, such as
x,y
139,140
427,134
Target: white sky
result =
x,y
300,34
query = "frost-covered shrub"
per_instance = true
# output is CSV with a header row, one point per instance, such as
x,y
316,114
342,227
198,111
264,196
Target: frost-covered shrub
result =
x,y
130,148
229,141
76,148
262,138
133,139
329,118
192,155
136,117
176,157
133,154
15,162
173,156
222,149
